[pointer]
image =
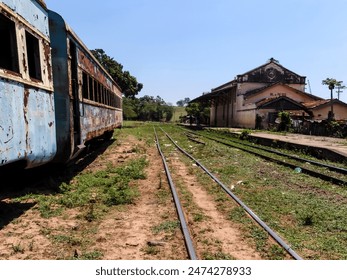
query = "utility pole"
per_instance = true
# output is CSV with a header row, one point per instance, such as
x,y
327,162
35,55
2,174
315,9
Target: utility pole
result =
x,y
339,90
309,85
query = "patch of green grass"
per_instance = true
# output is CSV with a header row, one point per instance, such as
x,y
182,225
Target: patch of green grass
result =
x,y
17,248
111,186
177,113
198,217
260,236
67,239
216,256
47,207
163,195
151,250
167,226
238,214
93,255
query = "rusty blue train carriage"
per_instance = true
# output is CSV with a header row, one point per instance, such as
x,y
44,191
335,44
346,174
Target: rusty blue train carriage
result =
x,y
27,115
88,102
55,96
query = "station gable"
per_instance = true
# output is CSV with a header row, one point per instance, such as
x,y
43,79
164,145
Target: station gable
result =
x,y
271,72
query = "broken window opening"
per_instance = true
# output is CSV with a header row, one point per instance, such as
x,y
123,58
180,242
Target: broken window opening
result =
x,y
8,46
33,54
85,90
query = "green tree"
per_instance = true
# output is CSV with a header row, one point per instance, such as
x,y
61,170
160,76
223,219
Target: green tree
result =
x,y
150,108
183,102
286,121
168,112
200,111
129,108
128,83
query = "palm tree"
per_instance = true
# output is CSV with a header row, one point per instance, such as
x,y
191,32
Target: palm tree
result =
x,y
331,84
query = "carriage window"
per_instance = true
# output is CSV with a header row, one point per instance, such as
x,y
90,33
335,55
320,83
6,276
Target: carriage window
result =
x,y
96,93
33,52
85,86
108,97
8,46
91,88
119,102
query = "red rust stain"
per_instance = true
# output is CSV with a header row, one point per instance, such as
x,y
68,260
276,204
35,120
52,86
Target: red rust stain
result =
x,y
47,58
24,63
92,69
26,97
25,109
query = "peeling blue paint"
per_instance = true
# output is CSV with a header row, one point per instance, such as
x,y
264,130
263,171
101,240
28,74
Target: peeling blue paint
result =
x,y
32,12
25,130
27,115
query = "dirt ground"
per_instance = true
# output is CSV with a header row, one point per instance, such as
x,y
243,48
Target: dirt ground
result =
x,y
126,232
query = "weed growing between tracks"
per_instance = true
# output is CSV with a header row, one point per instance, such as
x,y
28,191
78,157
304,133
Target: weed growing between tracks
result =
x,y
214,237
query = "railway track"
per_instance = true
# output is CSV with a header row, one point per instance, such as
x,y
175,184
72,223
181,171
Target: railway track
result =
x,y
327,172
184,225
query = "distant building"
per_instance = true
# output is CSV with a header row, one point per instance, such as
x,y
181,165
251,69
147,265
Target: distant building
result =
x,y
255,98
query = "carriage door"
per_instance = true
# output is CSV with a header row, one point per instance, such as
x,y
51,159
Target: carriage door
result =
x,y
74,95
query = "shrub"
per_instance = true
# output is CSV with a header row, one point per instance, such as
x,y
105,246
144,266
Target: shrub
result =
x,y
286,121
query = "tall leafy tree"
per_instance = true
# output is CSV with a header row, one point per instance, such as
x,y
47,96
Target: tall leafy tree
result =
x,y
183,102
128,83
150,108
199,110
130,106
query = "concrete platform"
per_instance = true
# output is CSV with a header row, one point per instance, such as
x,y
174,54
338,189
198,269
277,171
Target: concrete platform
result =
x,y
331,148
322,147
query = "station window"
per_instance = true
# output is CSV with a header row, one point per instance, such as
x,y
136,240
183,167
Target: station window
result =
x,y
33,53
8,46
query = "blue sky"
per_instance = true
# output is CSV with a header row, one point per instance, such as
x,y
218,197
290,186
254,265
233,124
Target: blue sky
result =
x,y
182,48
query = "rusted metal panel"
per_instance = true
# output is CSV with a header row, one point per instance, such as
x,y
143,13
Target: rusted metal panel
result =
x,y
98,120
88,65
27,124
77,121
95,118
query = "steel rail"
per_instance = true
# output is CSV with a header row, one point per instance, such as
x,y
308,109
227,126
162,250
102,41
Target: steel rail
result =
x,y
183,222
274,235
303,169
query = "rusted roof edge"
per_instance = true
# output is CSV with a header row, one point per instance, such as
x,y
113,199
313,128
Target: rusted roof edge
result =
x,y
42,4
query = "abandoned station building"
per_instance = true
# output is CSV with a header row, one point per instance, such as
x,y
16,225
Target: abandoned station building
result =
x,y
254,99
